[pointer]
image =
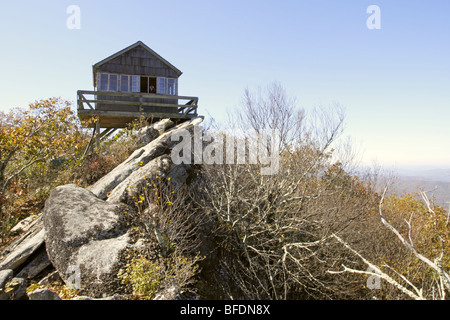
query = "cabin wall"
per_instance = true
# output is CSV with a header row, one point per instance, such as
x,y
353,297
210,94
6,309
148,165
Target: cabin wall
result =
x,y
138,61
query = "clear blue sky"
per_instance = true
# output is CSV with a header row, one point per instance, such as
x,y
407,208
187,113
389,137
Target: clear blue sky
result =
x,y
393,82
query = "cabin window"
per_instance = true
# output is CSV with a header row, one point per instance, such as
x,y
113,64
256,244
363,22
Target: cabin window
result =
x,y
167,86
113,82
108,82
144,84
162,85
129,83
125,83
148,84
151,85
104,80
135,82
171,86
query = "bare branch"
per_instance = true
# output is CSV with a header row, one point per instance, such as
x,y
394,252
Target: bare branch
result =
x,y
378,273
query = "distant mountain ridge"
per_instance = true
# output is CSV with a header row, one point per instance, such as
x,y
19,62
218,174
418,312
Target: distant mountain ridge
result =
x,y
436,182
425,174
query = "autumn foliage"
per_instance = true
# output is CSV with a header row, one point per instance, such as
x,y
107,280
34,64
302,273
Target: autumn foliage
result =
x,y
37,144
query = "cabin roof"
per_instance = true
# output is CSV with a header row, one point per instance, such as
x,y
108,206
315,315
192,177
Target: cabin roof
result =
x,y
139,43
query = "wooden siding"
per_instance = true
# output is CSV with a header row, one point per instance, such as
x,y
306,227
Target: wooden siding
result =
x,y
138,61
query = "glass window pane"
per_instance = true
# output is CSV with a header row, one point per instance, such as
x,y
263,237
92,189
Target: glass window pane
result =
x,y
103,82
171,86
113,78
162,85
124,83
135,83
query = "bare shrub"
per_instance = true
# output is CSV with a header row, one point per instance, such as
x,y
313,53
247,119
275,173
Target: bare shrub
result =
x,y
276,229
167,218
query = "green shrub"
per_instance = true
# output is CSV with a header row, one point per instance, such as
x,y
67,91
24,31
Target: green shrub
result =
x,y
143,275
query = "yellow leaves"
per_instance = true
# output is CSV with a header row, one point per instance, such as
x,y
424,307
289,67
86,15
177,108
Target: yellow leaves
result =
x,y
29,138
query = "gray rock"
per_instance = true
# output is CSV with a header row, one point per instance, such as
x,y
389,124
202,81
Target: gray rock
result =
x,y
134,183
14,289
43,294
24,250
139,158
150,133
31,229
169,293
115,297
172,291
34,267
5,276
85,238
82,298
160,168
24,225
50,278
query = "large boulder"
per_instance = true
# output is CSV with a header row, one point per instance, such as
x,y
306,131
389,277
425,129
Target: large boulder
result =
x,y
86,238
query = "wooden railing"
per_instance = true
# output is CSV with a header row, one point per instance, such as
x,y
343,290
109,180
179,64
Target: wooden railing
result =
x,y
141,100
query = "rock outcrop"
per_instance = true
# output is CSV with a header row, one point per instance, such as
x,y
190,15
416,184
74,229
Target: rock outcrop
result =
x,y
139,159
84,234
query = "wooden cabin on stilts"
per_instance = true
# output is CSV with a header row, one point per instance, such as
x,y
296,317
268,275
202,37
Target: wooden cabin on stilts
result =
x,y
132,83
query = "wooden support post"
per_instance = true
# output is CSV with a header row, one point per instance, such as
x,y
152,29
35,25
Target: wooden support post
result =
x,y
89,144
97,134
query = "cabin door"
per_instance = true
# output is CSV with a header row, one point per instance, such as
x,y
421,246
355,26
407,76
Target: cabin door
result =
x,y
148,84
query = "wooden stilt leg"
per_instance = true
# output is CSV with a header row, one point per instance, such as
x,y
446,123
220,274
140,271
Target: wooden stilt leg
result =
x,y
97,134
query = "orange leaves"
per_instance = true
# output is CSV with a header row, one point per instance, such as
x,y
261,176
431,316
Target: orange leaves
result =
x,y
428,229
30,138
